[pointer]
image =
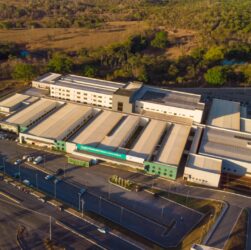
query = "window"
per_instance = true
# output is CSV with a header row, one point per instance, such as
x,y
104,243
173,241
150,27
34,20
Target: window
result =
x,y
120,106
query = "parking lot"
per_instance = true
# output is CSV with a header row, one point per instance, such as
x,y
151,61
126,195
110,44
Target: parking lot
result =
x,y
162,212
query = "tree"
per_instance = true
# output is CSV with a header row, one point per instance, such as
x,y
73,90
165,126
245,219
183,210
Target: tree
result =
x,y
160,40
23,71
89,71
216,76
214,54
60,63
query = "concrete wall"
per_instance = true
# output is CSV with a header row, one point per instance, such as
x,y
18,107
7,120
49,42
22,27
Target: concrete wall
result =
x,y
196,115
40,85
202,177
37,141
127,106
81,96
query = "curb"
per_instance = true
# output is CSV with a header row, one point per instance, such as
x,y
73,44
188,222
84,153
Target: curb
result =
x,y
78,234
216,223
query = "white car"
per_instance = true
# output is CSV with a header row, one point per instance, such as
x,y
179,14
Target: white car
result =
x,y
17,162
102,230
26,182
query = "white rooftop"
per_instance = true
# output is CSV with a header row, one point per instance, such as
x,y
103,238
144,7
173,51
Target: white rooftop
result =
x,y
224,114
174,144
97,129
32,112
13,100
62,122
148,139
121,134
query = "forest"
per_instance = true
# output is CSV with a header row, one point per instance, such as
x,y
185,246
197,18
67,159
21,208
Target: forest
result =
x,y
221,56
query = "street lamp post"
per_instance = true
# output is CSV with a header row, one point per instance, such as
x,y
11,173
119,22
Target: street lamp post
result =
x,y
19,171
99,204
50,229
55,189
79,196
36,181
187,197
162,211
83,203
4,167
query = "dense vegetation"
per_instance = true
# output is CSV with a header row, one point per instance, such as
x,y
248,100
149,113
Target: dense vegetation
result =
x,y
222,55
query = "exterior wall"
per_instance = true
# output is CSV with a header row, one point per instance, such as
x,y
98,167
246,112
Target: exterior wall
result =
x,y
9,127
127,106
202,177
235,167
196,115
82,96
40,85
60,146
162,170
6,109
37,141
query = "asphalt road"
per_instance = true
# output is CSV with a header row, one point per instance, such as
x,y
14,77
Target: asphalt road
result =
x,y
108,240
151,215
36,230
96,180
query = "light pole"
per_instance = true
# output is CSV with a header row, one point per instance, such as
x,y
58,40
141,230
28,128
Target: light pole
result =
x,y
187,197
19,171
55,189
162,211
4,167
79,196
50,229
36,181
121,214
99,205
83,204
109,190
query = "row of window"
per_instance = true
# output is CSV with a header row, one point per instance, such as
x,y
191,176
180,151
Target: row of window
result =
x,y
196,179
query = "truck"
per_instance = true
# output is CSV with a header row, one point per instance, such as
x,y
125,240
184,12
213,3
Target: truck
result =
x,y
38,160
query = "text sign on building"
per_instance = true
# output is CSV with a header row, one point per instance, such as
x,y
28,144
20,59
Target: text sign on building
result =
x,y
101,151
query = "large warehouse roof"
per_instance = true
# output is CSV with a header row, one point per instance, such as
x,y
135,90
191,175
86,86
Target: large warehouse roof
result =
x,y
171,98
62,122
226,143
95,132
224,114
148,139
174,144
205,163
13,100
33,112
89,84
121,134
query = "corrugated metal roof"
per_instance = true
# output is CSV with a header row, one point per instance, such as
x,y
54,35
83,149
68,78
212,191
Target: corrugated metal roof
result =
x,y
111,142
148,139
62,122
174,144
13,100
224,114
95,132
32,112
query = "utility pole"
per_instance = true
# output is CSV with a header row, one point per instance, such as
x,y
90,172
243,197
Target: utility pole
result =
x,y
83,203
99,205
50,229
36,181
55,189
79,195
162,212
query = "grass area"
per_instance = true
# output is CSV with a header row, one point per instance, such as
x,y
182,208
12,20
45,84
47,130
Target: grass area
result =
x,y
73,39
238,237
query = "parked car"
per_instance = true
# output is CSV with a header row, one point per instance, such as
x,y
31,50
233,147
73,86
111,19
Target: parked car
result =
x,y
25,157
38,160
26,182
30,159
60,171
17,162
49,177
102,230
